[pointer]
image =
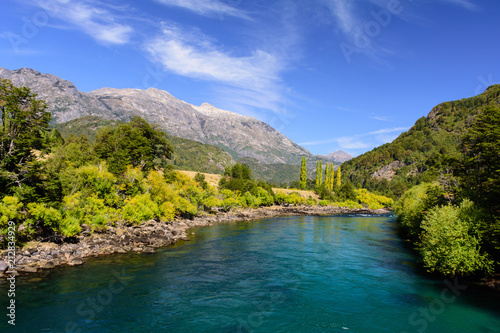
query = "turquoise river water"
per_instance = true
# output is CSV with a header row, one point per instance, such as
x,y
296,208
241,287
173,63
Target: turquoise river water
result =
x,y
347,273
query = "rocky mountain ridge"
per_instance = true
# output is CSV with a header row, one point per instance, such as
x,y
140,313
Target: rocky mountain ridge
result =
x,y
241,136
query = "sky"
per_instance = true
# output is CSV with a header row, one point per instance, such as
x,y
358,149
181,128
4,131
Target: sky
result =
x,y
329,74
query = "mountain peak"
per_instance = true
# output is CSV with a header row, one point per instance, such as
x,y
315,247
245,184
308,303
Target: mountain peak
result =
x,y
339,156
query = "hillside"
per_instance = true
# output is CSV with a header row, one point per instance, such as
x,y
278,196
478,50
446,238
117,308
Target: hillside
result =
x,y
188,154
418,154
239,135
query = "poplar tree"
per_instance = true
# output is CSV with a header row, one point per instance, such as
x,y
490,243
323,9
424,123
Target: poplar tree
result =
x,y
331,177
303,174
339,177
319,173
326,174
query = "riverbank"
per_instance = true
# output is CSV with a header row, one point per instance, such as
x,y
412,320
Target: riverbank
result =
x,y
145,238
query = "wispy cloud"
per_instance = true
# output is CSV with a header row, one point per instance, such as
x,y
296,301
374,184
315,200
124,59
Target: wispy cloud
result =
x,y
361,141
94,18
464,3
255,76
207,7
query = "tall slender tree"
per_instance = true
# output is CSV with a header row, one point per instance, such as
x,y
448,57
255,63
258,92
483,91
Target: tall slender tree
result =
x,y
303,174
339,175
331,177
319,173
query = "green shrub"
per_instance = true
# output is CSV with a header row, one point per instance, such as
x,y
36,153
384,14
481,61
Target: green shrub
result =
x,y
413,205
69,226
139,209
50,216
249,200
450,242
324,203
9,210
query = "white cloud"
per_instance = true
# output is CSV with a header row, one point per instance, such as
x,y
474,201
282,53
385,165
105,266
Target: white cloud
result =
x,y
206,7
253,79
92,17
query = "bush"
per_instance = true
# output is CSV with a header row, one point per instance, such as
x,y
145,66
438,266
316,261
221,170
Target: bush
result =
x,y
450,242
139,208
9,210
249,200
413,205
50,216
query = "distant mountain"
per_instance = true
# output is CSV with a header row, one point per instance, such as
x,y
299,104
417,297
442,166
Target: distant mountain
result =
x,y
339,156
241,136
421,153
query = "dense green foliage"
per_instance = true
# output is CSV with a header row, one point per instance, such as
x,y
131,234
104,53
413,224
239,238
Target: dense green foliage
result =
x,y
455,223
422,152
23,127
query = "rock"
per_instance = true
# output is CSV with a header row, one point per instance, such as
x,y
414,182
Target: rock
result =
x,y
11,273
3,266
137,249
46,265
75,261
185,238
28,269
148,250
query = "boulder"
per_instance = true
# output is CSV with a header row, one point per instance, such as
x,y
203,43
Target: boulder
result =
x,y
75,261
3,266
46,264
148,250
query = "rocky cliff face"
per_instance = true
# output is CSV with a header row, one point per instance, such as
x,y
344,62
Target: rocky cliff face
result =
x,y
241,136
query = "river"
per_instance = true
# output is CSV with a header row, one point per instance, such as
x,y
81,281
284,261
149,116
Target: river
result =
x,y
347,273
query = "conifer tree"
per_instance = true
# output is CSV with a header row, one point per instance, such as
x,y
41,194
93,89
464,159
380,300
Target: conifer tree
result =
x,y
303,174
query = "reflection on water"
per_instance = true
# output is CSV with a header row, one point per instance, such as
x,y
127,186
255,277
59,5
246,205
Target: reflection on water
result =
x,y
291,274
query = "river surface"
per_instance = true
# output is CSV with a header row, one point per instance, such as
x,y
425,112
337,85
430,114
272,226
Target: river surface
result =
x,y
347,273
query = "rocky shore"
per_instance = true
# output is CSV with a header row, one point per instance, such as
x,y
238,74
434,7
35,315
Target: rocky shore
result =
x,y
145,238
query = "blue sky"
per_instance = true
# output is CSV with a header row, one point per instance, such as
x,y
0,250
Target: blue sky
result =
x,y
329,74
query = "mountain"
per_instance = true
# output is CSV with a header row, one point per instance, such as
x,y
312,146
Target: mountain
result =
x,y
239,135
339,156
421,153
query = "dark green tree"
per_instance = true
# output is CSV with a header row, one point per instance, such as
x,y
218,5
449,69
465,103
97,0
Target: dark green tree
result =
x,y
23,122
481,173
136,143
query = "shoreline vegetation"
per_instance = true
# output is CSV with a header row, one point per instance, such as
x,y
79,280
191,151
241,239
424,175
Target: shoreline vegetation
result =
x,y
36,257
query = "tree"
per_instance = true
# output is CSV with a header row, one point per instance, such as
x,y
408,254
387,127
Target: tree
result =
x,y
23,125
339,182
136,143
319,173
481,175
303,173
